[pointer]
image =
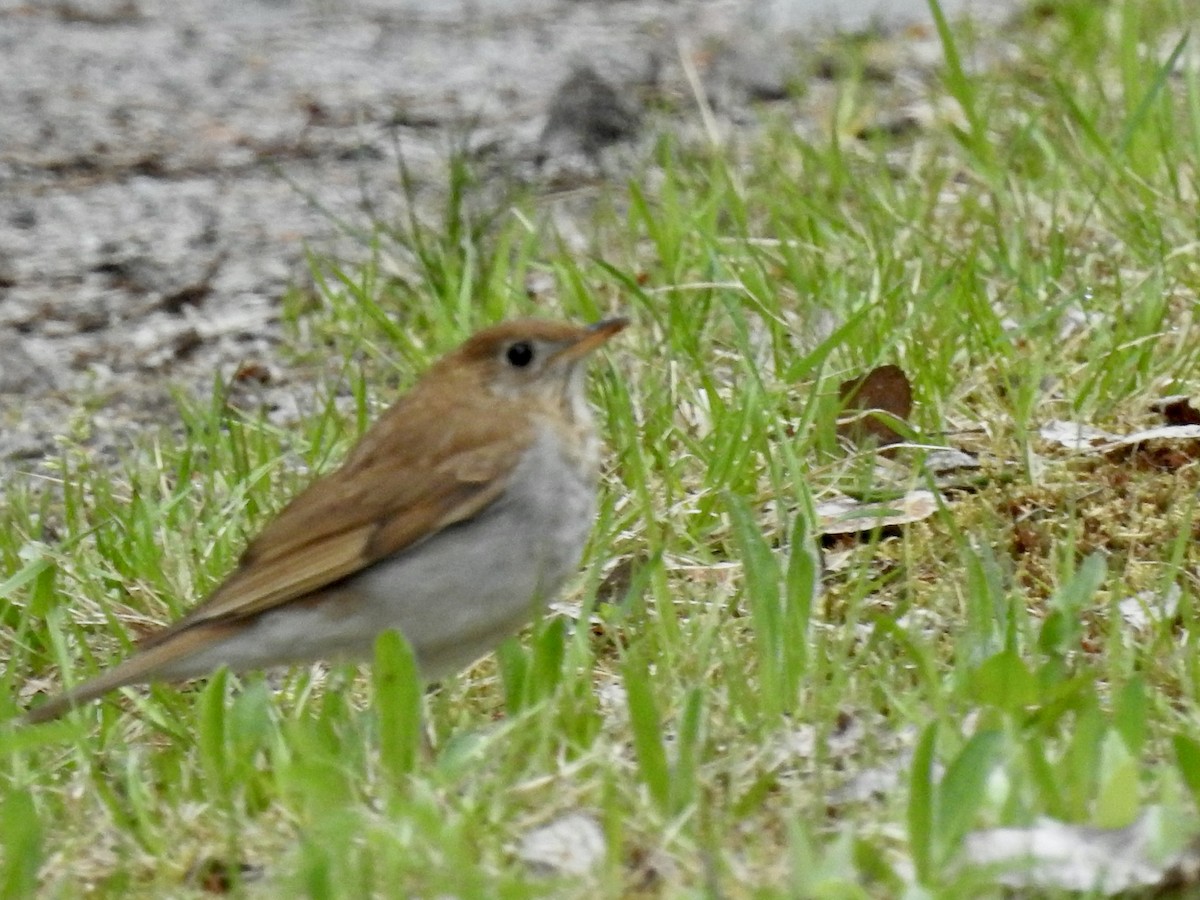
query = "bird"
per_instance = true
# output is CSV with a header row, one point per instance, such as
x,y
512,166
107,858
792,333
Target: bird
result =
x,y
458,514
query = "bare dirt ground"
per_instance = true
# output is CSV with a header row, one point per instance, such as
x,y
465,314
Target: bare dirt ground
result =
x,y
165,167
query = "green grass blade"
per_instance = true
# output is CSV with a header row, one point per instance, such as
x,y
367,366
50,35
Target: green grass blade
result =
x,y
646,726
921,808
398,691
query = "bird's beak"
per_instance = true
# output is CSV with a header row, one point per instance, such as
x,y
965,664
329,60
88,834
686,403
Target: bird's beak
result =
x,y
590,338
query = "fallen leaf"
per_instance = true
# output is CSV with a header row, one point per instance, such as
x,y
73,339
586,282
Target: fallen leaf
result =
x,y
885,389
1085,439
1075,435
948,460
1177,410
845,515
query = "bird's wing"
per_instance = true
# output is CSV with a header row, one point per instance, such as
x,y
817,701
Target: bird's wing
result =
x,y
386,498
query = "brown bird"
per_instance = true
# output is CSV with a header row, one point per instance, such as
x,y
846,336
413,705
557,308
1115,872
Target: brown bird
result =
x,y
464,508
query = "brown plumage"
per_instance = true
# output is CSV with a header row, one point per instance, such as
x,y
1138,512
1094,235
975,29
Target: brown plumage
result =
x,y
459,468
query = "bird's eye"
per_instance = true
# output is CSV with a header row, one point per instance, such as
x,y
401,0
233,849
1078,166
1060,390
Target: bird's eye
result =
x,y
519,354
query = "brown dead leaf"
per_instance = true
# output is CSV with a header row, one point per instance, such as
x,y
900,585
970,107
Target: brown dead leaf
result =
x,y
885,389
1177,410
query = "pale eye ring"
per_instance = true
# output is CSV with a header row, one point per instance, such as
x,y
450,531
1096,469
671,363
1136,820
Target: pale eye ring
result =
x,y
519,355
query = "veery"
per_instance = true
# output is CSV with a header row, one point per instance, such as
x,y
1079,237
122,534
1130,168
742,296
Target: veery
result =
x,y
456,515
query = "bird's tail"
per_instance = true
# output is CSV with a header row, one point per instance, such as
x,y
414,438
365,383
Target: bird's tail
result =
x,y
162,661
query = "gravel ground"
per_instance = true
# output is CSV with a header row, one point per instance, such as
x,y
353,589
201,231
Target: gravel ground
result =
x,y
165,166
